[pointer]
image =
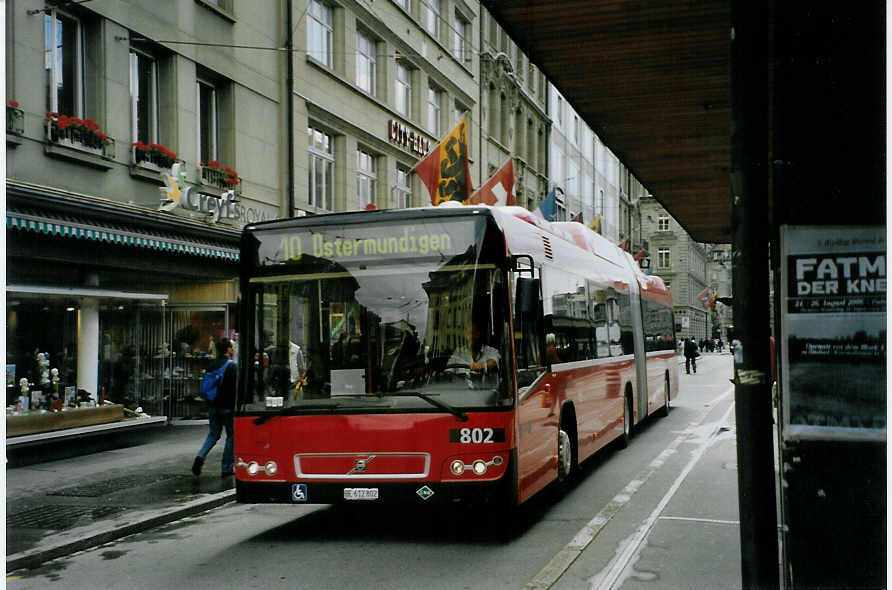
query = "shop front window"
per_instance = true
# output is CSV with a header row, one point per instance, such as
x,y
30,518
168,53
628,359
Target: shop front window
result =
x,y
77,361
41,335
195,333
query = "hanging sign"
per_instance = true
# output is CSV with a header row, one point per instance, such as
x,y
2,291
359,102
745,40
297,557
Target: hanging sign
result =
x,y
408,138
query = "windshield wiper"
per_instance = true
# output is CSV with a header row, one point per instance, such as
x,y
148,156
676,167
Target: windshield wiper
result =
x,y
292,410
432,401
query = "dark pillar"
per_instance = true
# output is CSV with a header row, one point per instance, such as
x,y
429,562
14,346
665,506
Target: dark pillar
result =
x,y
750,182
829,145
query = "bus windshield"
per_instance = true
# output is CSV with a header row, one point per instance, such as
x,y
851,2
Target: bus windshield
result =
x,y
374,333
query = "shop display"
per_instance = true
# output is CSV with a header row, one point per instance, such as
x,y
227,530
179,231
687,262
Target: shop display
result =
x,y
46,404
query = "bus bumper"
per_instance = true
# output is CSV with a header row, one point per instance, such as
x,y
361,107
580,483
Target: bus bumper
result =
x,y
500,491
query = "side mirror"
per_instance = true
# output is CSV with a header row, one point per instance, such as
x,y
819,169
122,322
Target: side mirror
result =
x,y
527,296
516,266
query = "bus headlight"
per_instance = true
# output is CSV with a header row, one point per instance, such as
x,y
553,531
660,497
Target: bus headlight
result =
x,y
479,467
255,467
457,467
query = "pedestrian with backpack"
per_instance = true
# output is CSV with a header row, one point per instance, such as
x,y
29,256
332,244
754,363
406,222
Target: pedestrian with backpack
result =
x,y
218,389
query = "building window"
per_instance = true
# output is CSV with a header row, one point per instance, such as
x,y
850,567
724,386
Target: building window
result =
x,y
495,107
560,213
403,189
321,169
663,223
505,121
663,258
560,113
431,17
63,64
459,113
588,197
460,36
365,62
319,31
366,178
519,70
575,130
143,98
434,98
403,90
207,122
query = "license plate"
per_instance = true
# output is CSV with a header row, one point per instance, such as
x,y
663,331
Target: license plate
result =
x,y
360,493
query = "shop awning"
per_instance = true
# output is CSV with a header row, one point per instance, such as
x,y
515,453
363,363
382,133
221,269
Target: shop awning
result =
x,y
88,229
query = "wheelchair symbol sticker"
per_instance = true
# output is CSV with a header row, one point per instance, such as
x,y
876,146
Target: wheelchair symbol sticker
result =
x,y
299,492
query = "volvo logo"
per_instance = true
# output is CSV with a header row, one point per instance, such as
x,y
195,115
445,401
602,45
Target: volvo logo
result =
x,y
360,465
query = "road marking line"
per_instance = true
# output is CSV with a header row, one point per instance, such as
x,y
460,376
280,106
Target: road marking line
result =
x,y
607,578
561,562
706,520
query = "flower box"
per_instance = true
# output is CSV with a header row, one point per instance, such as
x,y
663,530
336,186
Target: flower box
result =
x,y
83,135
152,156
222,177
15,119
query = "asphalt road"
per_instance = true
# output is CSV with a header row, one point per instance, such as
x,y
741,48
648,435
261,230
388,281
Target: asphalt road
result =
x,y
272,546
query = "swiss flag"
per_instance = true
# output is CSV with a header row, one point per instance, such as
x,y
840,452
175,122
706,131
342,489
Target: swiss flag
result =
x,y
499,189
704,297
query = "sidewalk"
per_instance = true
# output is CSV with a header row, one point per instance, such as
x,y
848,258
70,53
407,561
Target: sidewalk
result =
x,y
59,507
690,540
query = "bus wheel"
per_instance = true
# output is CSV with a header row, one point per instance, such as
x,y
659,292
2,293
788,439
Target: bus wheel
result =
x,y
565,455
664,411
627,422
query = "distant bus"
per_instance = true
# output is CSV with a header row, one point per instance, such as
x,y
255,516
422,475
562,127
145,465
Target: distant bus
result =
x,y
439,354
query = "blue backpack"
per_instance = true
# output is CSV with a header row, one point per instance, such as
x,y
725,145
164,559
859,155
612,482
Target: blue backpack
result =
x,y
211,381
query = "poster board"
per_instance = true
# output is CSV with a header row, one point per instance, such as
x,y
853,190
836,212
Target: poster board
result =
x,y
833,330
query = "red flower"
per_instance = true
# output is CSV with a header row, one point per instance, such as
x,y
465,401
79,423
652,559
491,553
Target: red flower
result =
x,y
141,146
214,164
90,124
63,121
13,103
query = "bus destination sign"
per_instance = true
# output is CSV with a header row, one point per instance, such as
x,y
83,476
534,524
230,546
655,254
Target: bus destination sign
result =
x,y
349,243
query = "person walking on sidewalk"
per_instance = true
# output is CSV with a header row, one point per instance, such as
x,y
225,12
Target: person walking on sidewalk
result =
x,y
690,355
220,411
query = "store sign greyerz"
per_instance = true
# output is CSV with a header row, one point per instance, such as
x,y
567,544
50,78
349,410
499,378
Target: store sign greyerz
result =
x,y
176,194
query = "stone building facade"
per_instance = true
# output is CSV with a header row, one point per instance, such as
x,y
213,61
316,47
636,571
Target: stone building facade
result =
x,y
682,264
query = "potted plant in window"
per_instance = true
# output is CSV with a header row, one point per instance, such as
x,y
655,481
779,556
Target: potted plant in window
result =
x,y
80,134
15,118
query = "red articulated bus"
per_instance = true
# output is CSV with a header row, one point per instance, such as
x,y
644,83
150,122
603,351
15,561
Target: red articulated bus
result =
x,y
439,354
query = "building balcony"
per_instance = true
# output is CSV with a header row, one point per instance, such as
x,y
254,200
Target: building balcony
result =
x,y
152,157
15,119
222,177
78,135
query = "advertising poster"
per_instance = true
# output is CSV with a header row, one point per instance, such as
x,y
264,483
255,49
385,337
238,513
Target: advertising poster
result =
x,y
833,329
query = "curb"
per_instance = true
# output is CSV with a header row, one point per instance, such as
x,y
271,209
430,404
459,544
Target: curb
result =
x,y
36,557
